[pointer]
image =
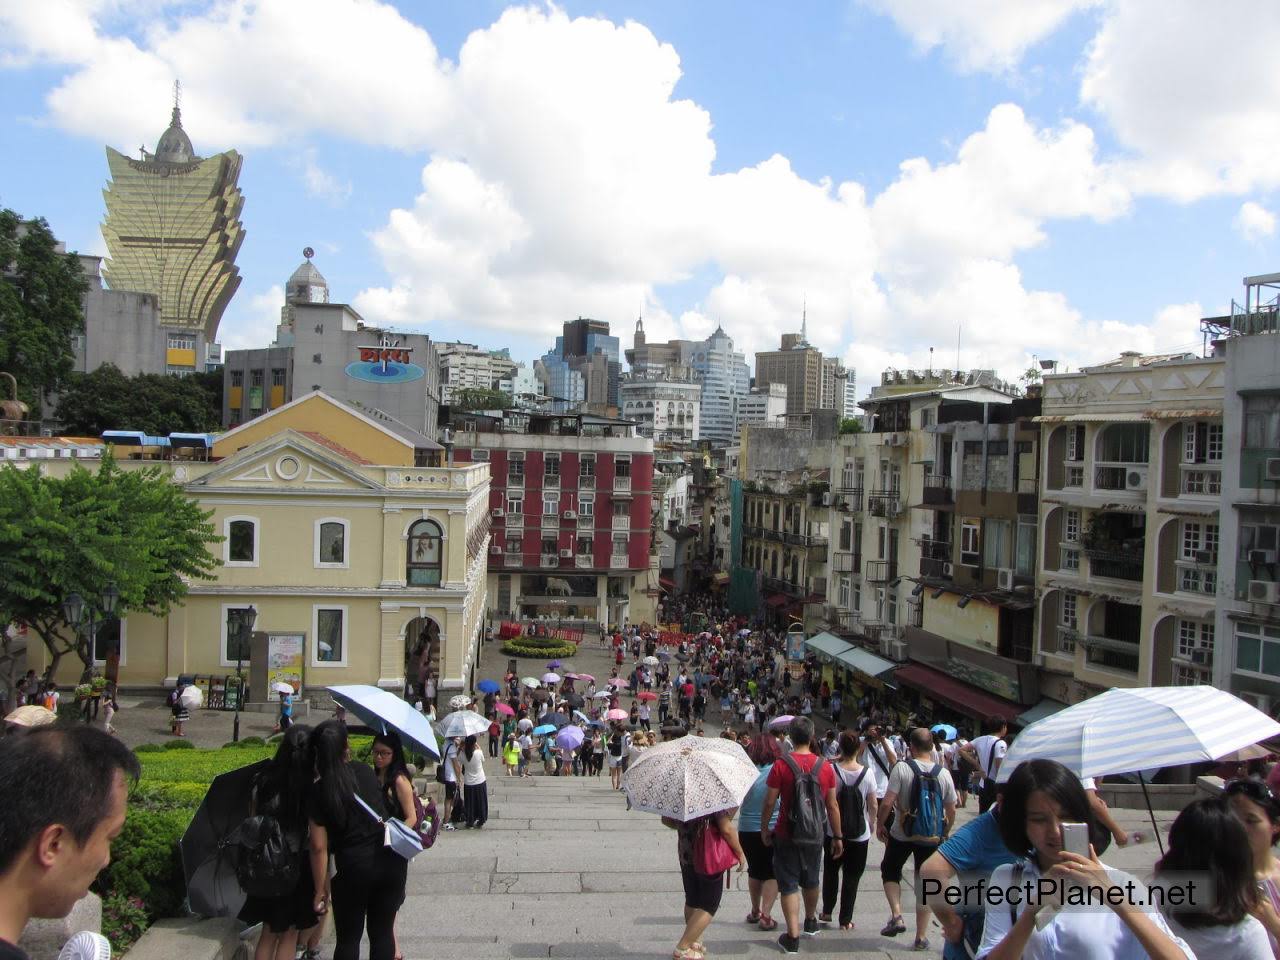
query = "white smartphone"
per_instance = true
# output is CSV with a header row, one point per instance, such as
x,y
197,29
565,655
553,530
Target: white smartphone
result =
x,y
1075,838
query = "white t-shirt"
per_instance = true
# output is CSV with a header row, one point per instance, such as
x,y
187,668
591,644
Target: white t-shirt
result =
x,y
473,769
900,780
983,746
450,754
880,769
868,790
525,742
1246,940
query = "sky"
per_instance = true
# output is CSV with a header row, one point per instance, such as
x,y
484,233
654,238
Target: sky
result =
x,y
992,182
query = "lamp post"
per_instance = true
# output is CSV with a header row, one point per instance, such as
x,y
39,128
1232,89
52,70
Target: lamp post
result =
x,y
80,614
248,617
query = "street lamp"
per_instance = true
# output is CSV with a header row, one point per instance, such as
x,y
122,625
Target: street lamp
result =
x,y
79,614
248,616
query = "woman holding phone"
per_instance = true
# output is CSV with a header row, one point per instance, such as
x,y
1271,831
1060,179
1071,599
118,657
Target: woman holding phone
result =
x,y
1045,812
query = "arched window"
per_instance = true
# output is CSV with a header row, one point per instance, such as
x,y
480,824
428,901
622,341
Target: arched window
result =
x,y
425,554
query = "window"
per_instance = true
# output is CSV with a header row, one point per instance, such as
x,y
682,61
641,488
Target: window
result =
x,y
1070,559
1024,560
331,542
1068,610
1193,634
970,535
550,504
1074,477
515,545
1075,443
1262,422
587,466
329,627
240,548
1258,536
1071,526
237,378
1185,676
622,508
235,640
857,596
622,467
1202,442
110,639
515,469
1258,649
843,593
586,546
479,455
551,466
846,536
997,448
515,504
620,546
1200,542
995,546
426,548
255,378
586,505
926,417
182,341
550,547
1125,443
847,474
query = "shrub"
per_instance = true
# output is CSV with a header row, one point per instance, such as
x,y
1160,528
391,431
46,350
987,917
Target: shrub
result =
x,y
148,748
124,920
539,647
249,742
145,863
179,745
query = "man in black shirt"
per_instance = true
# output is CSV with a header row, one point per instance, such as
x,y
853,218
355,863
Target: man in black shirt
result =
x,y
62,801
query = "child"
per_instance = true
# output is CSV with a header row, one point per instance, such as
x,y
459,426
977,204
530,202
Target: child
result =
x,y
511,755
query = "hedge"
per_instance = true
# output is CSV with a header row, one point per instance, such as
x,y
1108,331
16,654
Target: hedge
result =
x,y
538,647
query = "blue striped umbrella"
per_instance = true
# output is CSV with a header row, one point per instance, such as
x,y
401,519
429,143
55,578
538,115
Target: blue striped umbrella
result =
x,y
1140,728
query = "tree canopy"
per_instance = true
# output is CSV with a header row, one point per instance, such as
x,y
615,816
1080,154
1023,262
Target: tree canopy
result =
x,y
850,425
41,307
130,527
477,398
155,403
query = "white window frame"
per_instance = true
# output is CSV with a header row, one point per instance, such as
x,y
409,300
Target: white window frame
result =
x,y
1071,526
1265,635
345,563
974,531
626,546
586,505
124,644
583,460
515,504
226,542
223,652
550,503
315,635
1072,623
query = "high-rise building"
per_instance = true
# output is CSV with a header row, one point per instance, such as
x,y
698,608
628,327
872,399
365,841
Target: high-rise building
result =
x,y
663,407
583,367
725,378
173,230
766,405
464,366
814,382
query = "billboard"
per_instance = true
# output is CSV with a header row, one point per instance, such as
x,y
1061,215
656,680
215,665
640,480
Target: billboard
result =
x,y
285,652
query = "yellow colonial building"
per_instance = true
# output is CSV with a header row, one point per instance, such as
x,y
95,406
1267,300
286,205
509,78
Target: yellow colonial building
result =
x,y
344,534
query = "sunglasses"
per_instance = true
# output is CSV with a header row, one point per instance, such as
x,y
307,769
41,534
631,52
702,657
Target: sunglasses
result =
x,y
1254,790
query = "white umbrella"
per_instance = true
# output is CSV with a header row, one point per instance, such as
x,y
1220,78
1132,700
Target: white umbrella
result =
x,y
551,678
460,702
463,723
281,687
602,695
531,682
191,697
690,777
651,661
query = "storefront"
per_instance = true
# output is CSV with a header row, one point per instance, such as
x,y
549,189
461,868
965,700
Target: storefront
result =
x,y
941,698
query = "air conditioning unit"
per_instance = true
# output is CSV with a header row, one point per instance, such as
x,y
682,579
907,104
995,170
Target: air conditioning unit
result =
x,y
570,515
1135,478
885,645
1258,557
1202,655
496,550
826,499
496,512
566,554
948,569
1257,701
1272,468
1203,556
1264,591
1004,578
898,651
895,440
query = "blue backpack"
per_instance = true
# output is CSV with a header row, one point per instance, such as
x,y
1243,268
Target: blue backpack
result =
x,y
926,819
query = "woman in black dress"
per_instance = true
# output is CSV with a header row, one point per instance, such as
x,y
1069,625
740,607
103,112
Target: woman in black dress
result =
x,y
368,887
280,791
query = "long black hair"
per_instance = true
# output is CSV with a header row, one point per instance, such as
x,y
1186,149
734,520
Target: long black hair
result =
x,y
336,781
1061,785
469,746
396,769
1207,837
287,779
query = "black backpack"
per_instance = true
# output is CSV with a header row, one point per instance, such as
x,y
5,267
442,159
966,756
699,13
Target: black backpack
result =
x,y
268,859
853,808
807,818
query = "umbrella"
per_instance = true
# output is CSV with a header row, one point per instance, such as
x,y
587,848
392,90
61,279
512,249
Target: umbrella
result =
x,y
664,654
544,729
524,723
646,695
460,702
192,696
541,695
531,682
1179,725
690,777
570,738
32,715
579,715
503,709
570,675
488,686
586,676
462,723
208,846
781,721
651,661
617,715
573,699
602,695
616,682
383,711
598,723
553,664
551,678
1254,751
555,719
947,730
281,687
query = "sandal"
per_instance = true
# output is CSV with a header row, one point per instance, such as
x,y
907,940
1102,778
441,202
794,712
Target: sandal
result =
x,y
895,926
846,926
689,953
753,916
768,923
922,943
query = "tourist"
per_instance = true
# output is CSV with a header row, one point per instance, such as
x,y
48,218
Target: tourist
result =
x,y
761,883
394,778
448,775
1209,840
511,755
475,789
1039,797
1259,810
798,865
63,793
178,712
525,740
596,758
702,893
985,753
876,753
618,748
856,798
495,736
368,886
281,791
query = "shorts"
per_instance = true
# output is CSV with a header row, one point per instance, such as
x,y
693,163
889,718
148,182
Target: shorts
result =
x,y
450,789
614,761
896,853
701,892
759,857
796,867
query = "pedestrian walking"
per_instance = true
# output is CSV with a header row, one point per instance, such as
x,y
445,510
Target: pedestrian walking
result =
x,y
511,755
702,891
448,775
495,738
986,753
475,788
856,798
762,885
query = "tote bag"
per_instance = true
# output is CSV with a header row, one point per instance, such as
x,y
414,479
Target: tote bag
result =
x,y
712,854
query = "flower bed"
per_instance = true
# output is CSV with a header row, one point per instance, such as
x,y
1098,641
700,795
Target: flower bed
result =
x,y
538,647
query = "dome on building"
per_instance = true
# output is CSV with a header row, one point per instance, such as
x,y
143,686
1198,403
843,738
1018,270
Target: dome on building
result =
x,y
307,284
175,145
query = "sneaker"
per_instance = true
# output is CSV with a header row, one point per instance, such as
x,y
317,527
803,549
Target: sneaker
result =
x,y
810,926
789,944
450,826
922,943
895,926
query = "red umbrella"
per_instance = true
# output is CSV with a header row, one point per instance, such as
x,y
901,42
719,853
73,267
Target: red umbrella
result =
x,y
646,695
503,709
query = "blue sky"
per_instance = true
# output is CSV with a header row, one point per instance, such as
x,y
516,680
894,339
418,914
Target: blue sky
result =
x,y
1079,178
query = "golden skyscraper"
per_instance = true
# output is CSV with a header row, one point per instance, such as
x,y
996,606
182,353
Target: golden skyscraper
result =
x,y
173,229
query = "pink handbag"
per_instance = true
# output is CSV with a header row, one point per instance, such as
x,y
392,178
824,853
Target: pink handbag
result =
x,y
712,854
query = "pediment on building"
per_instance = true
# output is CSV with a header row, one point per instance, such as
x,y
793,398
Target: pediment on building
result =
x,y
290,461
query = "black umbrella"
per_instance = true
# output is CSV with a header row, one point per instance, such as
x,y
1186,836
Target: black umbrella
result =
x,y
207,849
558,719
573,700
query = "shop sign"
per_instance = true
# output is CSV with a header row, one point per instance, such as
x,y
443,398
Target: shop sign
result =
x,y
985,679
385,362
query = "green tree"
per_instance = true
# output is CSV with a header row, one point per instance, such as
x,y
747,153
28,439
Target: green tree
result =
x,y
41,296
850,425
158,404
477,398
81,532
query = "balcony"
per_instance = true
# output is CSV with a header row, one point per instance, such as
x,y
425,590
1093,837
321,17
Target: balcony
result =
x,y
794,539
515,521
1028,496
937,490
845,562
1068,637
819,587
884,503
551,481
848,620
1115,477
776,585
584,561
753,531
1110,652
1198,577
436,478
513,558
934,569
621,484
1201,481
848,498
618,563
550,561
881,571
551,521
586,520
1115,564
621,523
515,480
586,481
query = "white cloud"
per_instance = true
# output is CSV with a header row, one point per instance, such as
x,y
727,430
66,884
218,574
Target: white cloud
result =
x,y
320,183
1254,222
254,326
980,34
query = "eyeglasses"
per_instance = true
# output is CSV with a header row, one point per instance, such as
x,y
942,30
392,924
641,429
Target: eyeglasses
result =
x,y
382,753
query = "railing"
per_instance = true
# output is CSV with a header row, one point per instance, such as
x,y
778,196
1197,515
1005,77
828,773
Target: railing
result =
x,y
884,504
849,498
621,484
1201,481
778,585
1115,564
621,523
584,561
848,619
1198,577
551,481
1068,637
845,562
586,519
935,569
513,558
515,480
934,549
549,561
915,614
937,489
515,521
794,539
1115,476
882,571
751,530
551,521
1110,652
618,563
436,478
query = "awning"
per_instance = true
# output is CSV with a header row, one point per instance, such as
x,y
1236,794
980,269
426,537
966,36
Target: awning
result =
x,y
955,693
1198,413
777,600
827,644
1045,708
865,662
1136,417
667,584
720,577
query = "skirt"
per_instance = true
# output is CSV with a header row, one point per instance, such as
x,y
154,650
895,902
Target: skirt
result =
x,y
292,911
475,802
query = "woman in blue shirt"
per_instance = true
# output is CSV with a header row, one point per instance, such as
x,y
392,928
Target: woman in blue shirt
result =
x,y
763,751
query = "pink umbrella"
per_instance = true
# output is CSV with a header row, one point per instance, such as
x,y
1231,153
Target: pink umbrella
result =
x,y
780,721
617,715
587,677
617,683
503,709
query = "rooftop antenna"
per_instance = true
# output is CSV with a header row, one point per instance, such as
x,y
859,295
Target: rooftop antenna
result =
x,y
959,327
804,319
931,361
